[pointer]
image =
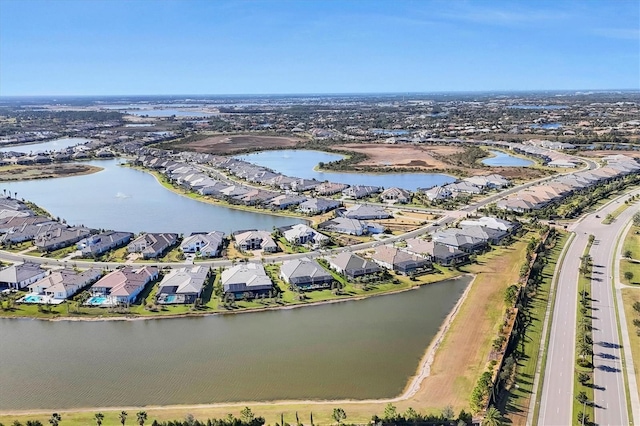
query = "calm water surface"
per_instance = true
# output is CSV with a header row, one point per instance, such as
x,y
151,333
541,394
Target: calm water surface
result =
x,y
505,160
301,163
362,349
126,199
54,145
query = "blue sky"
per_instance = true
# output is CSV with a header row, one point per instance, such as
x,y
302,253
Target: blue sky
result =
x,y
112,47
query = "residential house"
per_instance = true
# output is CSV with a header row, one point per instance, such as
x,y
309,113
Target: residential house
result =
x,y
493,223
204,244
246,280
360,191
366,212
305,274
492,236
352,266
182,285
317,205
455,238
124,285
400,261
301,234
255,240
285,200
437,193
63,284
344,225
330,188
61,237
151,245
438,253
397,195
21,275
98,244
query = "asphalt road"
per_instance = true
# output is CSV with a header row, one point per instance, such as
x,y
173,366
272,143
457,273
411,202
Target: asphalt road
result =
x,y
558,393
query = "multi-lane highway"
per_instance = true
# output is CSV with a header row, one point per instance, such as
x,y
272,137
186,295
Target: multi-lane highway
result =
x,y
558,393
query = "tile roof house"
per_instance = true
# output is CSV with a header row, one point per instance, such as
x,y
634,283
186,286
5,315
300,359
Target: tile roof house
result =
x,y
454,238
400,261
152,245
437,193
183,285
493,223
345,225
206,244
360,191
365,212
352,266
398,195
61,237
21,275
124,285
438,253
255,240
305,274
301,234
317,205
98,244
64,283
249,278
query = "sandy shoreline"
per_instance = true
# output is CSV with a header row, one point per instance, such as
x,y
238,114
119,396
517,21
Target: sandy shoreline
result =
x,y
413,385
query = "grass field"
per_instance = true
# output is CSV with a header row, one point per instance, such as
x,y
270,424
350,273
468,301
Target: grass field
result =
x,y
463,354
630,266
629,297
632,242
517,402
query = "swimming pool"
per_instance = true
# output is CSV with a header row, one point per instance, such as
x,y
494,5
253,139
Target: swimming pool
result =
x,y
170,298
96,300
32,298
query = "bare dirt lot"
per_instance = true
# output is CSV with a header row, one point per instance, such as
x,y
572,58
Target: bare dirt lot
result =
x,y
235,143
429,158
603,153
385,155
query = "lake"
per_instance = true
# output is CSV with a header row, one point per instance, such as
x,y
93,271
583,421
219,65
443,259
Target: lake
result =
x,y
301,163
359,349
54,145
125,199
505,160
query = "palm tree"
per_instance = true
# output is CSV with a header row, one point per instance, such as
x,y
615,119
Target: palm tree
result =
x,y
123,417
55,419
492,418
142,417
99,418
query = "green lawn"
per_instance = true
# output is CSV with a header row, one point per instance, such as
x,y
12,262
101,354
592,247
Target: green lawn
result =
x,y
610,218
632,242
518,399
630,266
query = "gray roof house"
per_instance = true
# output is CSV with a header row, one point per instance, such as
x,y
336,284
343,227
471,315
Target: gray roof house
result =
x,y
438,253
182,285
493,223
400,261
246,278
302,234
207,244
437,193
317,205
456,239
305,274
398,195
255,240
360,191
365,212
95,245
61,237
492,236
152,245
344,225
21,275
352,266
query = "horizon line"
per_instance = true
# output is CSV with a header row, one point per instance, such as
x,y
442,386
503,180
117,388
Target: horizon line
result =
x,y
327,93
